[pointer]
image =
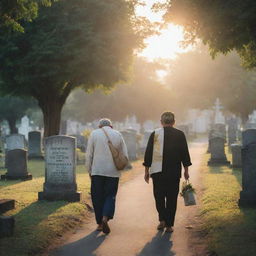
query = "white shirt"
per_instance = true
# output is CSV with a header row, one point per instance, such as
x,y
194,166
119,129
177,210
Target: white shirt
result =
x,y
99,160
157,158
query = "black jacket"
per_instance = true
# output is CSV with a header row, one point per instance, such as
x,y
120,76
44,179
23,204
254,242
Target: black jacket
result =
x,y
175,152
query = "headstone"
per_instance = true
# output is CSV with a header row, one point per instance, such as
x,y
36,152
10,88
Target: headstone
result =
x,y
15,141
35,145
6,226
248,137
130,139
81,142
219,130
250,126
217,150
60,169
219,117
248,193
6,205
236,150
17,165
24,126
232,131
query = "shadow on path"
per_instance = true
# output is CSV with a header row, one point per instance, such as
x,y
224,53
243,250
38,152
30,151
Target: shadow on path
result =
x,y
159,245
83,247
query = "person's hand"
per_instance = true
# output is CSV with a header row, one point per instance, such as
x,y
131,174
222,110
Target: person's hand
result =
x,y
186,175
146,177
90,176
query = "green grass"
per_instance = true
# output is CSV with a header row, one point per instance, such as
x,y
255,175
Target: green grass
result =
x,y
229,230
39,223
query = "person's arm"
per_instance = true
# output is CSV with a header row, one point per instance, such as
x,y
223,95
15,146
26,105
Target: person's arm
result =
x,y
89,154
148,156
185,156
124,147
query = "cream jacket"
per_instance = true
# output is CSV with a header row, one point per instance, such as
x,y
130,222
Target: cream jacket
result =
x,y
99,159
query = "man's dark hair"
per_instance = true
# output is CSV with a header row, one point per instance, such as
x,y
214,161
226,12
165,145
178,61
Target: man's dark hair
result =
x,y
167,118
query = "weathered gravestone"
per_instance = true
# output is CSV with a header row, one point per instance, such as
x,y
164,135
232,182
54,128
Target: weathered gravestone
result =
x,y
15,141
17,165
34,145
210,136
250,126
6,222
232,131
217,150
219,130
60,170
6,205
6,226
248,193
130,139
81,142
236,150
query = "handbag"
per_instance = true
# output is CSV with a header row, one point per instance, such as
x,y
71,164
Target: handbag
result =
x,y
120,160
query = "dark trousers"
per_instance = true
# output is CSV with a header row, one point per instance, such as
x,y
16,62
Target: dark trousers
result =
x,y
166,190
103,192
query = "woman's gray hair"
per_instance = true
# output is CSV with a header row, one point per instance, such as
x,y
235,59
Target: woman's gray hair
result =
x,y
167,118
105,122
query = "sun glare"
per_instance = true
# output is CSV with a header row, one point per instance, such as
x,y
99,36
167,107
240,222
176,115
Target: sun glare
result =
x,y
167,44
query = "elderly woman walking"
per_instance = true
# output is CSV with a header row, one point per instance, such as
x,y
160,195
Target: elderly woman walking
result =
x,y
103,172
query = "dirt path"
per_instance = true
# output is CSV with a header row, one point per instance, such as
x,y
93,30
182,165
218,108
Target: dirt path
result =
x,y
133,231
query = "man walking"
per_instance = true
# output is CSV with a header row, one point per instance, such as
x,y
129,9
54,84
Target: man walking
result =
x,y
103,172
166,150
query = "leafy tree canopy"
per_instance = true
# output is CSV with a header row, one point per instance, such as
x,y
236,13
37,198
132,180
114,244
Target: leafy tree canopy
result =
x,y
13,13
222,25
75,43
196,81
133,98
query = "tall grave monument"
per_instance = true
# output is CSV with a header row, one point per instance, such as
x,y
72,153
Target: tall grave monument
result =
x,y
217,150
218,116
60,169
248,193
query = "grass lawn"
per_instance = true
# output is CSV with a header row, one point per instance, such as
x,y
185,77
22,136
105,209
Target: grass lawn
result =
x,y
230,231
38,223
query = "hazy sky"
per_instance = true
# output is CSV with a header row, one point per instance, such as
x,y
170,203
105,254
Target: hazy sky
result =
x,y
165,45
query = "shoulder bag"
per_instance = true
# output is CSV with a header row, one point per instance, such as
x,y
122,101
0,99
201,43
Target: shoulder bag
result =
x,y
120,160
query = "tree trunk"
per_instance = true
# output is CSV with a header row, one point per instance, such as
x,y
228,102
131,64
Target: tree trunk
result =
x,y
12,125
52,115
